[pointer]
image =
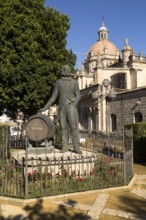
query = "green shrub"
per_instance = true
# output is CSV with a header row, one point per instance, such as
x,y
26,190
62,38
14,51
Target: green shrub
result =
x,y
139,141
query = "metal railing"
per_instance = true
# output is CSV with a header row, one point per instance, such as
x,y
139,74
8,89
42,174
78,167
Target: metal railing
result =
x,y
35,172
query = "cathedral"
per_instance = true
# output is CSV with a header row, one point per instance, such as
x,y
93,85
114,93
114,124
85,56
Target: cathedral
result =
x,y
112,85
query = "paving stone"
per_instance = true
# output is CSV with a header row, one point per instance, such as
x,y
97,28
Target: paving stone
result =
x,y
141,176
123,214
94,215
136,217
98,206
8,210
110,212
76,205
139,192
82,207
99,209
141,182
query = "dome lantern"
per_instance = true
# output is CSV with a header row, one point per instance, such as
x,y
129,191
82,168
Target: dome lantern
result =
x,y
103,31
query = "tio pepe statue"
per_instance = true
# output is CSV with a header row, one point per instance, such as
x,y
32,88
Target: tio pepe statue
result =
x,y
67,91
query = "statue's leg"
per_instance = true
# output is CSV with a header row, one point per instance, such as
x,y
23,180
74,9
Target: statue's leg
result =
x,y
72,116
64,130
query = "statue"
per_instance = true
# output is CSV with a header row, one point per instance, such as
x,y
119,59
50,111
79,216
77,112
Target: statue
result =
x,y
67,91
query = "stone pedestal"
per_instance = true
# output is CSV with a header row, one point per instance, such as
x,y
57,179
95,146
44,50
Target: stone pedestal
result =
x,y
40,150
55,161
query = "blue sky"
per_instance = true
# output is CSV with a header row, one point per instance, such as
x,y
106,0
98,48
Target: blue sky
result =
x,y
123,18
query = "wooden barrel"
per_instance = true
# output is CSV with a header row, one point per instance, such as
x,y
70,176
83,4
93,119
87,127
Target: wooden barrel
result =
x,y
39,127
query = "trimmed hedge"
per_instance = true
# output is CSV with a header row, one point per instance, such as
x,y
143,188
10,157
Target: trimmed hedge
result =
x,y
139,141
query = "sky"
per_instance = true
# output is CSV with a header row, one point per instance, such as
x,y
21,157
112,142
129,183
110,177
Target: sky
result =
x,y
123,19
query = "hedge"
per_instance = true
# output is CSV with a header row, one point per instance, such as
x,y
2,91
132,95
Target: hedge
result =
x,y
139,141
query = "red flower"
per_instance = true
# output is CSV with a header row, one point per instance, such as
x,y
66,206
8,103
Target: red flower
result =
x,y
79,178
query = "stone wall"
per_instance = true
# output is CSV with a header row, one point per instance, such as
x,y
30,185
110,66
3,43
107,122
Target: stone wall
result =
x,y
126,105
94,117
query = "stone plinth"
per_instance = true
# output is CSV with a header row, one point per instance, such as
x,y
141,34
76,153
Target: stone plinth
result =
x,y
54,161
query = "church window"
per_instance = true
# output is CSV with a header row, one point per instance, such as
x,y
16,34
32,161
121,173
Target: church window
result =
x,y
137,117
102,36
113,122
119,81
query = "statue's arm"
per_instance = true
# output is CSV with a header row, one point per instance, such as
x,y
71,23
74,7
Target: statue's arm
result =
x,y
52,98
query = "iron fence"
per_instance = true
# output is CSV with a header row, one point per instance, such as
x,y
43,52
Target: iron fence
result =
x,y
27,172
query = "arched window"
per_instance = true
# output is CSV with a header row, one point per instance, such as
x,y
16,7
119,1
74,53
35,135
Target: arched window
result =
x,y
113,122
102,36
137,117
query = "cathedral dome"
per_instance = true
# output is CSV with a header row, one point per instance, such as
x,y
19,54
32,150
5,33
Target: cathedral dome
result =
x,y
102,47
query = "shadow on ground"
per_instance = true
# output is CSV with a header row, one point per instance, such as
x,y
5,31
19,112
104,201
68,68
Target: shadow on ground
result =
x,y
137,206
36,212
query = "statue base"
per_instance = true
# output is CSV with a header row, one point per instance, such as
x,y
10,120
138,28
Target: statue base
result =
x,y
54,160
40,150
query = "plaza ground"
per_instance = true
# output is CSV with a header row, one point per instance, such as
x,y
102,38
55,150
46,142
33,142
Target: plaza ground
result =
x,y
118,203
